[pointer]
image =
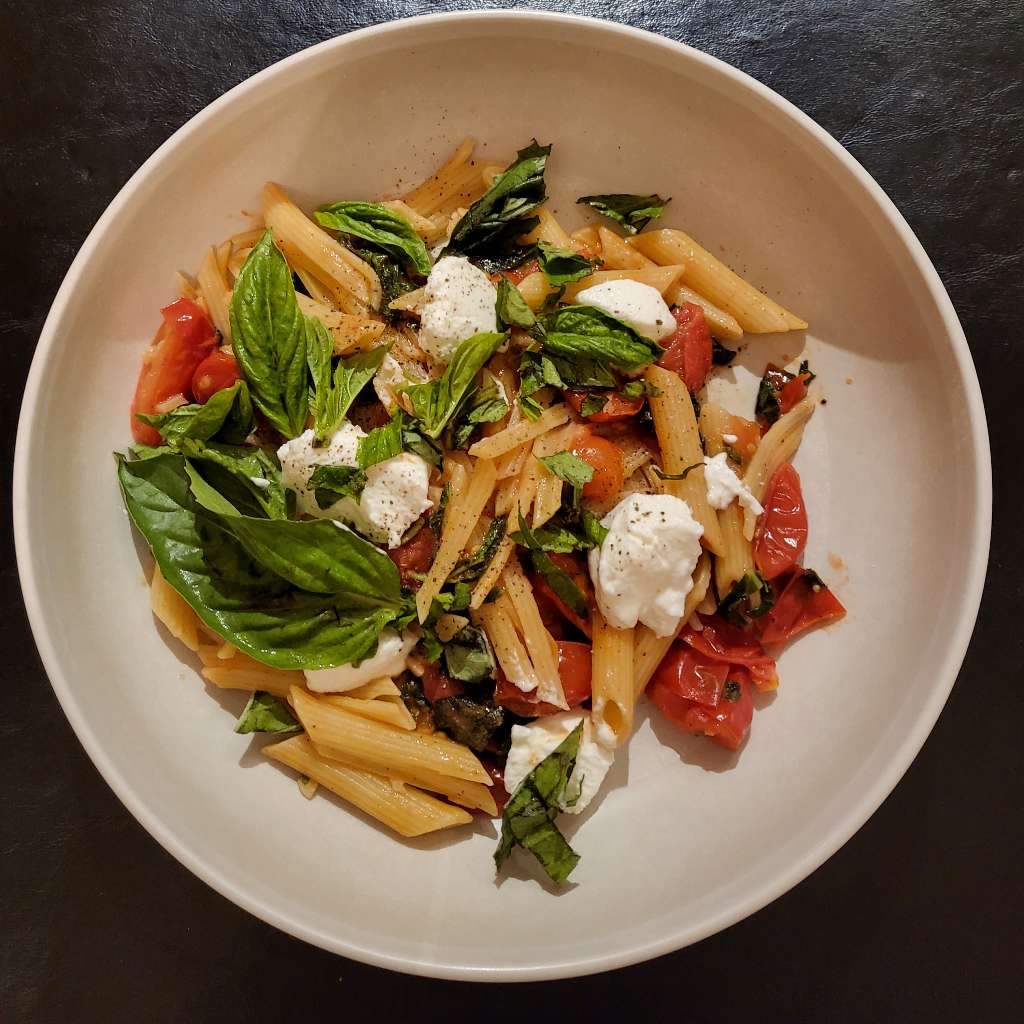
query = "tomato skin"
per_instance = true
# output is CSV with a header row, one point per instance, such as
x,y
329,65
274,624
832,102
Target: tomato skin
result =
x,y
690,675
576,569
721,641
726,723
804,602
519,274
414,556
217,371
782,530
606,458
616,407
574,670
498,791
688,351
793,392
748,437
436,685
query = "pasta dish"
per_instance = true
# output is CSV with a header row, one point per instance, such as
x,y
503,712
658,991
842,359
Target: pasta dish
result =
x,y
441,486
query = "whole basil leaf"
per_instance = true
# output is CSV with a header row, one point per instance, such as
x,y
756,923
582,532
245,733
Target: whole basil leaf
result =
x,y
237,597
269,337
266,713
249,477
583,332
377,224
227,415
510,306
562,266
634,213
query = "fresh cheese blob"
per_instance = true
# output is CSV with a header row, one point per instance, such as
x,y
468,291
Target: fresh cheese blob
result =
x,y
395,495
532,743
459,301
724,486
634,303
389,660
642,569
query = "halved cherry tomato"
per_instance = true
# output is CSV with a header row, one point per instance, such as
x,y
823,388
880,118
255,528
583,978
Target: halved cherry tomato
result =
x,y
606,458
765,677
217,371
805,601
519,274
748,437
692,676
616,407
414,556
688,351
436,685
793,391
727,722
550,613
782,530
184,340
721,641
577,572
574,663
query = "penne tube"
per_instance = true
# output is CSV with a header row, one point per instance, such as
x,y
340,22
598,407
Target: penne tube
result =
x,y
383,687
508,648
619,256
753,310
349,332
613,694
409,302
661,278
280,682
490,576
214,289
676,427
548,230
173,611
458,174
535,290
429,229
396,714
588,241
524,431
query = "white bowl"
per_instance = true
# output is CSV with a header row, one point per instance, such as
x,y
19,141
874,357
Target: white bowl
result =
x,y
897,475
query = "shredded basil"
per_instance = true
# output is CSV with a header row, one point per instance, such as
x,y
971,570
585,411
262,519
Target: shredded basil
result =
x,y
379,225
266,713
634,213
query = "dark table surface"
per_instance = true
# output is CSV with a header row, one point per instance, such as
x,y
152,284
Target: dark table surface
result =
x,y
917,917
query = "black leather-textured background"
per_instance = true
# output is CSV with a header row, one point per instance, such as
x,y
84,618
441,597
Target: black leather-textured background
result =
x,y
918,917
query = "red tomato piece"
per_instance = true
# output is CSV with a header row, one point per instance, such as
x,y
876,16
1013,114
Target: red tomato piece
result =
x,y
574,665
414,556
519,274
805,601
616,407
688,351
436,685
793,391
498,790
690,675
217,371
782,530
765,677
606,458
184,340
727,722
721,641
576,569
550,612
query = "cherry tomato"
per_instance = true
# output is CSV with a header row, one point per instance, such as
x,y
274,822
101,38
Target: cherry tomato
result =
x,y
498,790
748,437
436,685
691,675
793,391
184,339
574,662
721,641
616,407
606,458
727,722
688,351
782,530
414,556
805,601
577,571
217,371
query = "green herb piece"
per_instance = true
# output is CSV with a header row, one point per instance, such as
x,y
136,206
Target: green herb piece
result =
x,y
555,537
394,281
248,477
468,657
335,391
467,721
594,532
559,580
634,213
266,713
528,818
720,355
228,416
639,389
332,483
748,598
436,518
489,230
436,402
805,369
472,568
269,337
732,691
511,307
562,266
584,333
413,441
661,475
593,404
381,443
486,406
767,404
412,697
377,224
570,468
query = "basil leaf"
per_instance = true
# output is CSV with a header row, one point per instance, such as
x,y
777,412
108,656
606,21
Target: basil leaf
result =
x,y
335,392
394,281
528,818
228,413
242,600
554,537
634,213
436,402
557,579
468,721
720,355
471,569
750,597
413,441
250,478
490,227
562,266
594,532
381,443
732,691
266,713
486,406
583,332
593,404
468,657
377,224
511,308
639,389
332,483
570,468
269,337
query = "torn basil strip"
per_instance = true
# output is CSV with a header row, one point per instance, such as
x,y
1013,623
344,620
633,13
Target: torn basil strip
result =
x,y
510,306
266,713
563,266
570,468
375,223
632,212
557,579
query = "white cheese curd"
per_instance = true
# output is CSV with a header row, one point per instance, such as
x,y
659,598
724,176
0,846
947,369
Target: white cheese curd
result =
x,y
299,458
395,496
532,743
642,569
459,302
724,486
389,660
634,303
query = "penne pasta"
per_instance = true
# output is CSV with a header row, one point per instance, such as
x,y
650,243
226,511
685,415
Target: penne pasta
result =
x,y
612,681
173,611
548,230
279,682
753,310
214,289
376,688
396,714
524,431
349,332
535,290
510,651
459,175
619,256
588,241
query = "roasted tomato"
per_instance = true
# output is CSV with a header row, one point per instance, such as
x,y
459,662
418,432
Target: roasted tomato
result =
x,y
436,685
688,351
805,601
691,675
498,790
217,371
616,407
414,557
519,274
606,458
721,641
782,530
726,722
185,339
748,437
577,571
574,672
